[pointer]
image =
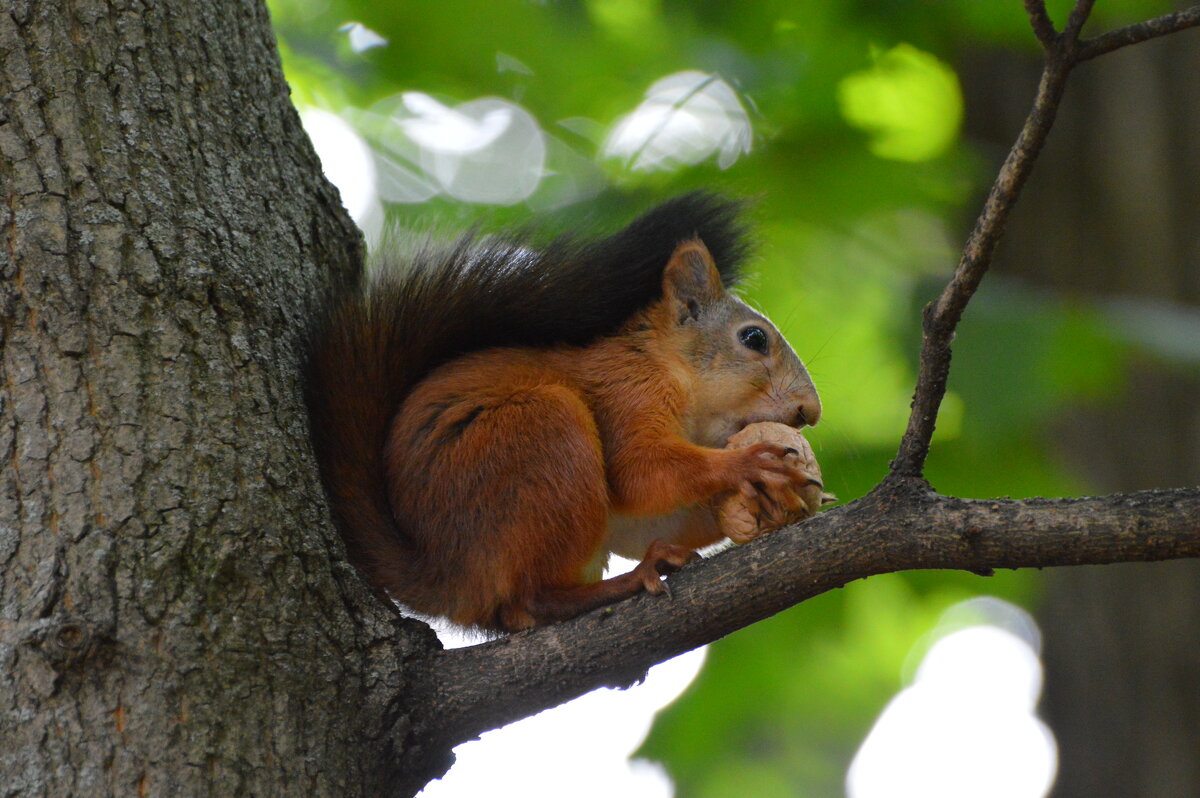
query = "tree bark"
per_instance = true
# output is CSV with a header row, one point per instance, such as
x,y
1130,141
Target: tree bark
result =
x,y
176,614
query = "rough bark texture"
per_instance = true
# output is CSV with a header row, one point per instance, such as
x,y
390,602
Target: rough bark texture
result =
x,y
175,614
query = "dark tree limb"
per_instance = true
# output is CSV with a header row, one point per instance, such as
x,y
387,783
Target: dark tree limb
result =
x,y
1088,49
1043,28
1144,31
942,317
901,525
1075,21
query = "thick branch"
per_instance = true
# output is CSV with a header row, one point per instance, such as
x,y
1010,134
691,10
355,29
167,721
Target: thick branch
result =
x,y
902,525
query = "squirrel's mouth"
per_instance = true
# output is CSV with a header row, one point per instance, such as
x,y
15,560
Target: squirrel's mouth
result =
x,y
717,436
779,417
739,425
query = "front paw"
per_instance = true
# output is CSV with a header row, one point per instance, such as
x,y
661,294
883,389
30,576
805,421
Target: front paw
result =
x,y
781,483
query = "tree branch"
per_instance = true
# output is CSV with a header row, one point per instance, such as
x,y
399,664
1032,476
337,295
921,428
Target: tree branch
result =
x,y
1043,28
1063,52
942,317
901,525
1144,31
1075,21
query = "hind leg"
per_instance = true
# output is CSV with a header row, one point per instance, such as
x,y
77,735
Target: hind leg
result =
x,y
554,521
561,603
499,474
524,463
547,464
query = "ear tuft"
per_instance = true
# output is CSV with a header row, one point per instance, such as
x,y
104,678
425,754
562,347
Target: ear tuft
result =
x,y
691,279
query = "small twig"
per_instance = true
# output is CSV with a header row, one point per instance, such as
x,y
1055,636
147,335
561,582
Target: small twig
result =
x,y
1063,52
676,107
1043,28
942,317
1077,18
1143,31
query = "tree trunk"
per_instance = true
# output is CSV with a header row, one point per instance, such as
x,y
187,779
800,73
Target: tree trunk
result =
x,y
176,615
1114,205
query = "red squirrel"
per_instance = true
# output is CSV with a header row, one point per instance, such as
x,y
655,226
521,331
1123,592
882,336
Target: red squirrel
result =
x,y
493,420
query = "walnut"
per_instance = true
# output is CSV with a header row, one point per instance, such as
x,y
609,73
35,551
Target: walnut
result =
x,y
735,513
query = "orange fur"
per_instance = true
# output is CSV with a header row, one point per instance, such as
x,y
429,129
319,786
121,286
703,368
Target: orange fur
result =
x,y
515,471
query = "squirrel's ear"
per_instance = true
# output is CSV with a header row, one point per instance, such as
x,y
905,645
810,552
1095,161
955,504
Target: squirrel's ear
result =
x,y
691,279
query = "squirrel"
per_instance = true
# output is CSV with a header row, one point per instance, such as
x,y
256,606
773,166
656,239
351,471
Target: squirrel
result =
x,y
492,420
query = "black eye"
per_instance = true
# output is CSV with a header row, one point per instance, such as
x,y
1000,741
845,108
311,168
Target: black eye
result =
x,y
754,338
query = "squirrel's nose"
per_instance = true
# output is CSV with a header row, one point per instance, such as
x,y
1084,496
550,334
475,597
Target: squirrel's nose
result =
x,y
809,411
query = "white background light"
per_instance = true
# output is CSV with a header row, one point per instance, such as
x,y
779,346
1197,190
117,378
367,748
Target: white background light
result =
x,y
581,749
685,118
347,162
966,726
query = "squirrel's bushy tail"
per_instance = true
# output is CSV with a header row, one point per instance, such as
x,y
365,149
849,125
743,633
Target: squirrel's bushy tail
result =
x,y
374,344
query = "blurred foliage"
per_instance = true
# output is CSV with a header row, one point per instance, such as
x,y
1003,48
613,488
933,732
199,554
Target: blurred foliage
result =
x,y
863,191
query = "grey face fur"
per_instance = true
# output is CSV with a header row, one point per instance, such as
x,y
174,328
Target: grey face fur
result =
x,y
741,383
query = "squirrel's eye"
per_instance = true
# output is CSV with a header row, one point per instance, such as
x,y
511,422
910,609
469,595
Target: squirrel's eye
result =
x,y
754,338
